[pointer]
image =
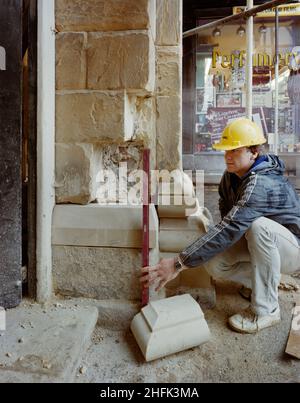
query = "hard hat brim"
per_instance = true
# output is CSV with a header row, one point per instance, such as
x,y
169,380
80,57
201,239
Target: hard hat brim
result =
x,y
227,147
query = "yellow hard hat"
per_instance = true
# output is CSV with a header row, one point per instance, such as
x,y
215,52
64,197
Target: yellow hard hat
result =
x,y
241,132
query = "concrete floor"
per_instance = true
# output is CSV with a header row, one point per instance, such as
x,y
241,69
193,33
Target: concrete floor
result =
x,y
229,357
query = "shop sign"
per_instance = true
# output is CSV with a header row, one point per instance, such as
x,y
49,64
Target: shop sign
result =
x,y
259,59
2,58
287,10
218,118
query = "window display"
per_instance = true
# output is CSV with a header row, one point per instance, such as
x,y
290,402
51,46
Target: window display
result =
x,y
220,82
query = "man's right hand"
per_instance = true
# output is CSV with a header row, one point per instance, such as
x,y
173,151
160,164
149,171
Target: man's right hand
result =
x,y
163,272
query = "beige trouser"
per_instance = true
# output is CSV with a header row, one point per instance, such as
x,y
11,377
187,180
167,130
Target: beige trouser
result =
x,y
256,261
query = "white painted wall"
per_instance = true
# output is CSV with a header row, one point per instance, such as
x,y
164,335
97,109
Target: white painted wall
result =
x,y
45,146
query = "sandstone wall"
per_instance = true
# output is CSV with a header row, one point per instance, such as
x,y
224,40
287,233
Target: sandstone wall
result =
x,y
169,84
118,91
118,82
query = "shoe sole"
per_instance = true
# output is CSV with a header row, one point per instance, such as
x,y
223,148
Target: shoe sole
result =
x,y
243,331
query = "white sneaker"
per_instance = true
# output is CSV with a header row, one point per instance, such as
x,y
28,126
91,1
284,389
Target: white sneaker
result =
x,y
248,322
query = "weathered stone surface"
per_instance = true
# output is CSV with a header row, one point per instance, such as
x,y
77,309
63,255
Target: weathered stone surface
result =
x,y
168,132
177,234
54,338
169,70
169,22
196,282
176,183
195,278
93,116
145,124
105,15
192,223
116,314
118,226
70,61
118,181
76,167
121,61
177,206
145,119
10,154
100,273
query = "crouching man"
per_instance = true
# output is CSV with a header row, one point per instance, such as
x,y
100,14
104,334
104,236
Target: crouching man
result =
x,y
259,235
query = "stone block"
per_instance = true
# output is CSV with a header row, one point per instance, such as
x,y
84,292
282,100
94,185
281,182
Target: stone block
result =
x,y
177,206
176,234
169,22
169,326
105,15
196,281
70,61
145,124
76,167
99,273
46,342
93,116
191,223
169,132
118,226
195,278
176,182
118,61
169,70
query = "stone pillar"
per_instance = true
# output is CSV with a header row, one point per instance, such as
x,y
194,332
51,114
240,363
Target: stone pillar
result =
x,y
169,84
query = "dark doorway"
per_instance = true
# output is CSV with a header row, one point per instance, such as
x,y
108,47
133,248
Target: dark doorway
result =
x,y
29,146
17,133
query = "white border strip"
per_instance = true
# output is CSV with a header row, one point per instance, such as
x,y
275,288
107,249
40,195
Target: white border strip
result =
x,y
45,146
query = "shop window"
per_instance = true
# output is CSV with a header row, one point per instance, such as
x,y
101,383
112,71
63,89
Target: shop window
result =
x,y
220,81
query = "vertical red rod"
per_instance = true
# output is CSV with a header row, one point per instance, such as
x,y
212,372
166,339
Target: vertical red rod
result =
x,y
145,251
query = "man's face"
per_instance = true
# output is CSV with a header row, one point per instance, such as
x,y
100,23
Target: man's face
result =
x,y
239,161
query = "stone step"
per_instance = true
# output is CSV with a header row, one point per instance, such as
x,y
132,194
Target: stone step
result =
x,y
176,234
45,344
114,225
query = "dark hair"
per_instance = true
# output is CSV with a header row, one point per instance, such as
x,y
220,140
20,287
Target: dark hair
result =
x,y
257,149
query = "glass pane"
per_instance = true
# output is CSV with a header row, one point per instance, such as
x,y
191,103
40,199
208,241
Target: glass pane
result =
x,y
220,82
214,90
289,79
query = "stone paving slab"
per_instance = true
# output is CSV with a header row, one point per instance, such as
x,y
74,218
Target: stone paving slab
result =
x,y
45,344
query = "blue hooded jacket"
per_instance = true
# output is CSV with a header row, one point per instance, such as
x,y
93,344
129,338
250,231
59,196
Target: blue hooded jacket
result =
x,y
263,192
